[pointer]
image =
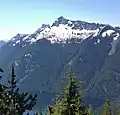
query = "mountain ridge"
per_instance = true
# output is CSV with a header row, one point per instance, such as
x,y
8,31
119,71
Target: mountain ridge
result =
x,y
60,31
43,61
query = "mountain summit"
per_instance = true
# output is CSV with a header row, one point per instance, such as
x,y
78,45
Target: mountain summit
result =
x,y
63,30
44,57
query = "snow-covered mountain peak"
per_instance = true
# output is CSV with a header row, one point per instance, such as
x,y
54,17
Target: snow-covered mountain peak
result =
x,y
63,30
18,36
45,26
60,20
76,24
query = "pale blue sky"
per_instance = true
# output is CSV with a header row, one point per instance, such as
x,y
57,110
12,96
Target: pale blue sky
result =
x,y
25,16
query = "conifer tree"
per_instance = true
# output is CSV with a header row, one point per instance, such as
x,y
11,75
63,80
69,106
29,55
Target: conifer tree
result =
x,y
39,111
18,102
118,113
90,110
4,102
107,108
72,100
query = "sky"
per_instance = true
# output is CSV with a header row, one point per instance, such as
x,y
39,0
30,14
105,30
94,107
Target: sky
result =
x,y
25,16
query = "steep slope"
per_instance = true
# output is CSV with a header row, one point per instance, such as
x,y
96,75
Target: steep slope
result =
x,y
106,82
44,57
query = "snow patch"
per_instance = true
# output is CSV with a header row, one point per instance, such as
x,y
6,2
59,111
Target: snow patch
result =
x,y
59,34
97,32
108,32
98,40
24,45
25,37
28,55
17,41
116,37
17,63
64,32
69,22
14,45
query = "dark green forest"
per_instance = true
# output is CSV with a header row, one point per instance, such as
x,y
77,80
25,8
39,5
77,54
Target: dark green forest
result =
x,y
68,102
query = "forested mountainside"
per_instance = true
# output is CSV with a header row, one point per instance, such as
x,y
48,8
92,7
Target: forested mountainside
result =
x,y
42,59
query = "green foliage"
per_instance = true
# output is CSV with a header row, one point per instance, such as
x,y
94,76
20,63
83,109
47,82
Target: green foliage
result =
x,y
90,110
39,111
4,102
118,112
72,101
107,108
12,102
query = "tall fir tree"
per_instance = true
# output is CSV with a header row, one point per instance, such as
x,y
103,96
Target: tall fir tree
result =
x,y
118,113
4,98
90,110
72,100
40,111
17,103
107,108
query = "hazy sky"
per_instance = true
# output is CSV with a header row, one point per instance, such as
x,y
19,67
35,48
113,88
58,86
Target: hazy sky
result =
x,y
25,16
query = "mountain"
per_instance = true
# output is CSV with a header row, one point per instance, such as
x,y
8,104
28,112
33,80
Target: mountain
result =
x,y
2,43
43,58
62,30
